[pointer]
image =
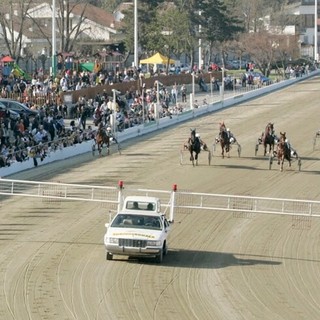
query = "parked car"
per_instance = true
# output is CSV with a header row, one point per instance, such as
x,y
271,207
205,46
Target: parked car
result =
x,y
3,110
18,107
259,77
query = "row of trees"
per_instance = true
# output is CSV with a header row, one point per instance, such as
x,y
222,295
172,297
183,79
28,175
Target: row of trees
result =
x,y
241,27
174,28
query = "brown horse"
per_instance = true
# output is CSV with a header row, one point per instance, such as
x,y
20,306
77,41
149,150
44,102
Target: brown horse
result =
x,y
102,139
268,138
224,140
283,151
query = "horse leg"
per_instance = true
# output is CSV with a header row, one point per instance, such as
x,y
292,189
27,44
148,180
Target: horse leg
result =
x,y
100,149
108,148
222,151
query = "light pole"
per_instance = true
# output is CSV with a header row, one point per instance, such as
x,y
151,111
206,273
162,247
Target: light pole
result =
x,y
222,85
200,44
316,30
193,92
142,104
54,42
157,106
114,110
135,33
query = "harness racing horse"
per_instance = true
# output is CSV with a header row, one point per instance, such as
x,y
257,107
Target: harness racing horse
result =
x,y
283,151
224,140
268,138
194,146
102,139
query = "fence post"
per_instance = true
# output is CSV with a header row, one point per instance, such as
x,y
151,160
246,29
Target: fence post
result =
x,y
120,198
172,202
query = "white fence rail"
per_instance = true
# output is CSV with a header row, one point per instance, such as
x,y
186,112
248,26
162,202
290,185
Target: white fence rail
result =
x,y
171,200
233,203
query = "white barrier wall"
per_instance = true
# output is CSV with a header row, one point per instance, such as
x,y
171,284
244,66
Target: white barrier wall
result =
x,y
133,132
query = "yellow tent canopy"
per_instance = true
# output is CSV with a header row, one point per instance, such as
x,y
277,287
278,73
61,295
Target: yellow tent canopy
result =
x,y
157,58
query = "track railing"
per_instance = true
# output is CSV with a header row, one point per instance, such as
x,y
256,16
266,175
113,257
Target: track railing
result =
x,y
170,200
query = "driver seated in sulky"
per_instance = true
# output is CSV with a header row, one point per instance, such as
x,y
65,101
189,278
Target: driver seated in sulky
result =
x,y
293,152
231,137
202,143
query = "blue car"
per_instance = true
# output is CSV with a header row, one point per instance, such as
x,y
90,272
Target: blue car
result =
x,y
259,77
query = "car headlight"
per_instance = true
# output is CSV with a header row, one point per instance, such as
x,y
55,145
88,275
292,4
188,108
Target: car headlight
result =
x,y
154,243
112,240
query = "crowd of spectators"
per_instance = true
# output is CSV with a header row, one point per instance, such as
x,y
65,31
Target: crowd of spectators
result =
x,y
57,126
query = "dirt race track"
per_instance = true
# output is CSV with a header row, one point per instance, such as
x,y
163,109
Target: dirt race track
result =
x,y
219,266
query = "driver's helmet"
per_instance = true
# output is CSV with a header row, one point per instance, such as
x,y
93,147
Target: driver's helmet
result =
x,y
197,135
228,129
108,129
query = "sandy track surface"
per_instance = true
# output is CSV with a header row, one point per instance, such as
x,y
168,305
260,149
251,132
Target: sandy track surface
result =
x,y
220,265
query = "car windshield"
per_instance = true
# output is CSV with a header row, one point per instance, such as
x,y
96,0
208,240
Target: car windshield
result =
x,y
137,221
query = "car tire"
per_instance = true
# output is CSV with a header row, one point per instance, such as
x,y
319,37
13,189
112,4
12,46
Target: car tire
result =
x,y
159,256
109,256
165,249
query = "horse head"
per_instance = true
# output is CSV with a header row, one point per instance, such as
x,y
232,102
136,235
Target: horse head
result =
x,y
282,136
192,134
222,126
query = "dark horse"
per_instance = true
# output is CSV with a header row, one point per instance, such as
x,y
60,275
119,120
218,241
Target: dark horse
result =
x,y
194,146
268,138
102,139
224,140
283,151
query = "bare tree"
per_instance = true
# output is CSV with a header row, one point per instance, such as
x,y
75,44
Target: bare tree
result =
x,y
13,18
268,50
68,31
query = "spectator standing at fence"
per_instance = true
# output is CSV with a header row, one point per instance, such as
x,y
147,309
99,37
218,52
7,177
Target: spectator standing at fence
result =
x,y
184,93
83,117
174,94
51,129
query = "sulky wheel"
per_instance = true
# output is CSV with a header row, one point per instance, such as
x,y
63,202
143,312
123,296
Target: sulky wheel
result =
x,y
119,147
239,150
181,157
209,157
299,164
270,161
256,149
314,142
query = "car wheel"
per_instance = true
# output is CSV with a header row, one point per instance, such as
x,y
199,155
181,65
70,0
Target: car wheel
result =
x,y
109,256
165,250
159,256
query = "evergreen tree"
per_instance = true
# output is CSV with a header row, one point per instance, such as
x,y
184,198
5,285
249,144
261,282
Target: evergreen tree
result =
x,y
217,22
